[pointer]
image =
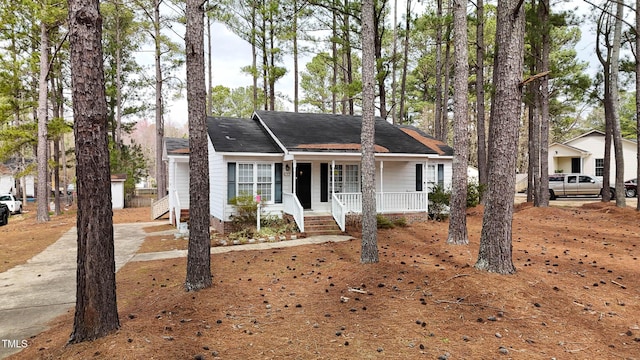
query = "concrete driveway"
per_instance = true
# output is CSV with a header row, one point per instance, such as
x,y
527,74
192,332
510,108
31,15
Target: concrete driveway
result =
x,y
34,293
45,287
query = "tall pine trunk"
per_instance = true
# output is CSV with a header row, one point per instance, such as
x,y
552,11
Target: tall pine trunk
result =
x,y
369,251
458,219
637,95
161,172
495,253
615,104
198,256
480,108
96,312
42,214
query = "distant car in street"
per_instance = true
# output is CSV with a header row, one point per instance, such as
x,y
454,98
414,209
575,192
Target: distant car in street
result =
x,y
631,188
14,205
4,214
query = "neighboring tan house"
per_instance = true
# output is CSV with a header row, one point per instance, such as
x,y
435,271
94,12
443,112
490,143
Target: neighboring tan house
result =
x,y
309,163
585,154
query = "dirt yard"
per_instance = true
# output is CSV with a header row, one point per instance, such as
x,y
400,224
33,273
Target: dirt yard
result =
x,y
575,296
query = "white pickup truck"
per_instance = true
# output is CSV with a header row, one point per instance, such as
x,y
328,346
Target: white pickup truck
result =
x,y
563,185
14,205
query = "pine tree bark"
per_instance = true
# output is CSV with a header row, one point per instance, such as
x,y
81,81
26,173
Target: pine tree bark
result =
x,y
198,256
480,108
369,251
438,98
621,200
458,206
161,170
543,193
637,43
96,312
495,253
42,213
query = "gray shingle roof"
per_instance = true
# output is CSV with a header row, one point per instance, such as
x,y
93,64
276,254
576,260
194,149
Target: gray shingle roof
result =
x,y
302,132
336,133
240,135
176,146
428,140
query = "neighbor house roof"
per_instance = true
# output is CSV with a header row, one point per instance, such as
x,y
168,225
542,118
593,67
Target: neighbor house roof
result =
x,y
302,132
240,135
5,170
176,146
118,177
571,149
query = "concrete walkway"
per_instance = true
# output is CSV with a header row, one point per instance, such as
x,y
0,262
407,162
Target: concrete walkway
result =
x,y
33,294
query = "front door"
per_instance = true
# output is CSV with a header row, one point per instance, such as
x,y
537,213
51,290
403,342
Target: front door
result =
x,y
575,166
303,184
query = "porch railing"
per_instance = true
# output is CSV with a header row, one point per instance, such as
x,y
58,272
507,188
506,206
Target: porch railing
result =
x,y
160,207
177,209
293,207
339,212
387,202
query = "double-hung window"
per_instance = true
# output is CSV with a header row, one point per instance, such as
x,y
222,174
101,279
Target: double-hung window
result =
x,y
599,167
346,179
254,179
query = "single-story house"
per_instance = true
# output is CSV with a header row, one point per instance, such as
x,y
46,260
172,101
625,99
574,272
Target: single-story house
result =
x,y
309,163
585,154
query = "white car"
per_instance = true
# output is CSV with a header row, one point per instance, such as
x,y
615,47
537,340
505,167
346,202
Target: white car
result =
x,y
14,205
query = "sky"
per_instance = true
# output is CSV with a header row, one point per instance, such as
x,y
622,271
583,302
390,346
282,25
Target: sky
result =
x,y
230,53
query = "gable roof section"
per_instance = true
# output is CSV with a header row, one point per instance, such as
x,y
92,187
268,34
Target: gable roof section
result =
x,y
240,135
568,150
427,140
302,132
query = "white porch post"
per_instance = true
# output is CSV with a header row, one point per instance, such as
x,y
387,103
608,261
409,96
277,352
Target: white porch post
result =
x,y
172,190
333,180
425,184
295,175
381,187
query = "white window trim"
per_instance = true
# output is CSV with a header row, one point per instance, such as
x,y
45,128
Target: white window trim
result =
x,y
254,190
332,180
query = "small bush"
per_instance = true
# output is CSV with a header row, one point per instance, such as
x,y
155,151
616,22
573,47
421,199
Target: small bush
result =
x,y
384,222
400,222
439,199
474,194
246,210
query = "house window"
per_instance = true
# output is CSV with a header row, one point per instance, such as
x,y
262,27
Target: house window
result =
x,y
346,178
599,167
435,175
265,181
254,178
245,179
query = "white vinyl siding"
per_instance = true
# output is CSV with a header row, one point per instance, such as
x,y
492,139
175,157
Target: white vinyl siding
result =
x,y
217,176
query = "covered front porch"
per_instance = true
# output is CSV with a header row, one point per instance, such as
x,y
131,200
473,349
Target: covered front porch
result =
x,y
400,188
343,204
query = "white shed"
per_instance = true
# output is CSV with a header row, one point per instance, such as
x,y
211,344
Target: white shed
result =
x,y
117,190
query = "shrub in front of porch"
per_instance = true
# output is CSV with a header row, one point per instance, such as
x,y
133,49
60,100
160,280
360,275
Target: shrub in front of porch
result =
x,y
243,222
